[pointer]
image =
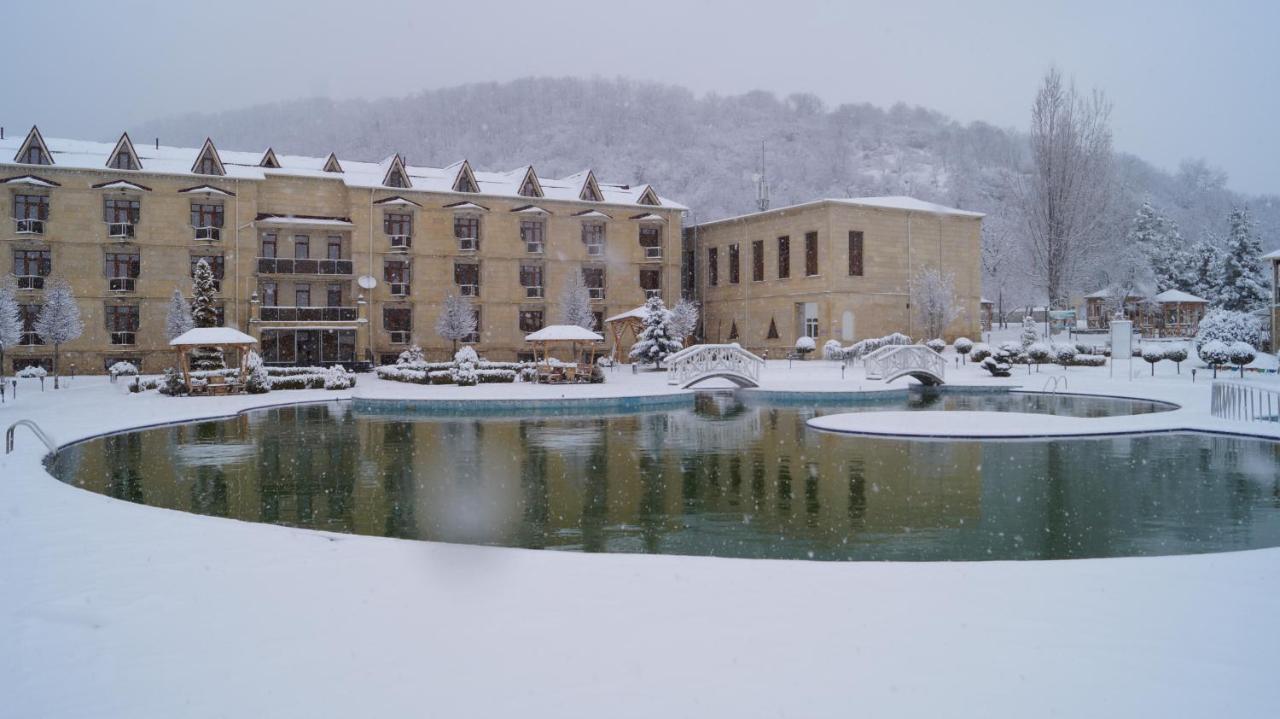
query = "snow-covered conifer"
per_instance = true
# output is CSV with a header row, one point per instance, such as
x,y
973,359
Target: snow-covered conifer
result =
x,y
655,340
1206,270
1030,333
575,303
59,320
204,313
10,319
178,319
457,320
1244,283
1167,254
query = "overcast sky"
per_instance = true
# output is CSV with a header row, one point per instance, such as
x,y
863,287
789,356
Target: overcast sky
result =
x,y
1187,79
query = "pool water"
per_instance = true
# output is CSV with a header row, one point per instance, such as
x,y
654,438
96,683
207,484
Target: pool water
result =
x,y
727,476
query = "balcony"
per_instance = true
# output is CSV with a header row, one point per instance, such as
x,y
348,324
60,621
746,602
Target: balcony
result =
x,y
121,284
401,242
30,282
469,290
288,266
309,314
209,234
29,226
532,293
124,338
120,230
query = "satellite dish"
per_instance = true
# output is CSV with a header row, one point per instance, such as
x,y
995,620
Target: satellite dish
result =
x,y
367,282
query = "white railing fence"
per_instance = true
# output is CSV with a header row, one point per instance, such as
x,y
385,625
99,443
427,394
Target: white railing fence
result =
x,y
896,360
698,361
1245,402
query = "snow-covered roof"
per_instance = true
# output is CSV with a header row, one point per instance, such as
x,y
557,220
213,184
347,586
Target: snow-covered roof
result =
x,y
637,313
304,220
985,301
563,333
1169,296
247,165
891,202
1272,255
201,336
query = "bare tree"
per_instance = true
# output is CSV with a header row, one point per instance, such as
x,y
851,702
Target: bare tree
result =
x,y
1063,200
457,320
59,320
934,296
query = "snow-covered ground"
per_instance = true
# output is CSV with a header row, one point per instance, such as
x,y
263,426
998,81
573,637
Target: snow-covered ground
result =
x,y
119,610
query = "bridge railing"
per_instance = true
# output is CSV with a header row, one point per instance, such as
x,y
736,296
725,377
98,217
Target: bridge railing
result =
x,y
1244,402
698,360
896,359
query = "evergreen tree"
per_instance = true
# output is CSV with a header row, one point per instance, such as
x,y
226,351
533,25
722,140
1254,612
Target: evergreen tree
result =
x,y
1030,335
204,313
178,320
575,304
59,320
655,341
1244,283
1157,237
1206,270
10,320
457,320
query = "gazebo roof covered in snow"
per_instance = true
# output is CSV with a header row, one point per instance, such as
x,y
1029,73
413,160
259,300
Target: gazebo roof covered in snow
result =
x,y
1178,296
1272,255
563,333
212,336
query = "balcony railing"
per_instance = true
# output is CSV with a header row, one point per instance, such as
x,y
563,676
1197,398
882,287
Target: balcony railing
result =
x,y
30,339
310,314
399,337
653,253
468,244
399,289
212,234
30,282
29,226
121,284
596,293
401,242
289,266
120,230
124,338
469,290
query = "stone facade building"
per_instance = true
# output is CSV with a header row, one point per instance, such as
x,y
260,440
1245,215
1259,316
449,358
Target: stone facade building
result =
x,y
324,260
831,269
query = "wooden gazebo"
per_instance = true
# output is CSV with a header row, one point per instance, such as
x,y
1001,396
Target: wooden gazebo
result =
x,y
629,322
222,338
1174,313
555,371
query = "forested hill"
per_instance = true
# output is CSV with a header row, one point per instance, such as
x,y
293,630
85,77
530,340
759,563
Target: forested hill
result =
x,y
700,150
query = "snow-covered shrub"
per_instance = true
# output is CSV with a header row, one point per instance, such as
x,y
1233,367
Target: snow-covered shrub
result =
x,y
1177,354
1039,352
1226,326
963,345
172,383
980,351
1152,354
1137,350
142,385
937,345
1241,354
495,375
603,361
413,355
441,376
122,369
831,350
338,378
464,372
33,372
1063,353
257,381
1087,360
1030,334
528,373
1214,353
805,345
998,364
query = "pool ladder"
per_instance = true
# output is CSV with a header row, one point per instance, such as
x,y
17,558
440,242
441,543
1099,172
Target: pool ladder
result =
x,y
1053,382
35,429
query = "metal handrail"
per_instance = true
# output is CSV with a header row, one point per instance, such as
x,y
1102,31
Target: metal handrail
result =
x,y
35,429
1244,402
1054,380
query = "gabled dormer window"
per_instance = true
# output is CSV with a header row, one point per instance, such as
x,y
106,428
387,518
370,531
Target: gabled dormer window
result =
x,y
208,162
269,159
465,181
530,187
123,157
332,165
590,189
33,150
649,197
396,175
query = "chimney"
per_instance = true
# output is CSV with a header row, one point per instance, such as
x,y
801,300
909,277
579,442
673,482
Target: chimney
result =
x,y
1,132
157,143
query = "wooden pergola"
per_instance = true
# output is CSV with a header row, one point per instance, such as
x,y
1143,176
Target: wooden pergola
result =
x,y
221,338
631,322
558,336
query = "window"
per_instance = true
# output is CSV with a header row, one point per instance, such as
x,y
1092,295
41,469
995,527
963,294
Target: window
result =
x,y
301,247
757,261
773,330
466,275
302,295
397,223
27,316
397,320
713,266
333,295
784,257
123,265
269,244
733,264
531,280
593,238
396,273
810,254
651,241
30,207
268,294
207,165
122,323
531,233
733,330
529,188
593,278
206,215
31,267
333,246
651,281
34,156
855,253
121,210
466,230
809,318
122,161
530,320
597,317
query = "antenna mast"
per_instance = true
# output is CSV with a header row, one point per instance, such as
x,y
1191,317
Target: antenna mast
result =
x,y
762,184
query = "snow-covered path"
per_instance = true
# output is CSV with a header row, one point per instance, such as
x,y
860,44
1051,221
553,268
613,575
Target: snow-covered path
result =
x,y
119,610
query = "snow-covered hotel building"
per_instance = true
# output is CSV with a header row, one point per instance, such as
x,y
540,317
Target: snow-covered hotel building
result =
x,y
832,269
323,259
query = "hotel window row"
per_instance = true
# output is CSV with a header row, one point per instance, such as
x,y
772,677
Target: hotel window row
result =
x,y
811,265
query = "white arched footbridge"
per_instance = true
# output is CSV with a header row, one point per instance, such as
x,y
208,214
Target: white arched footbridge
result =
x,y
890,363
696,363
